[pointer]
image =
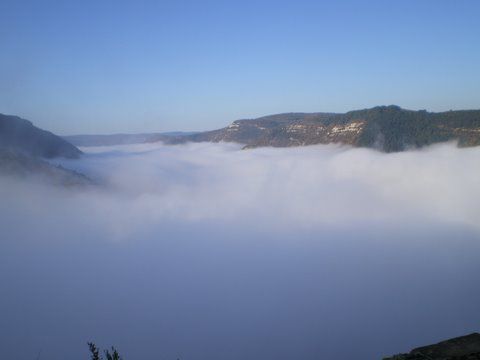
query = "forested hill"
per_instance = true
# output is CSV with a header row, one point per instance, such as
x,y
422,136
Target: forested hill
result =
x,y
20,135
23,148
386,128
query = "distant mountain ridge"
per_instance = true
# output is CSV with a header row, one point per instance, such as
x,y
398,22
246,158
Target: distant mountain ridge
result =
x,y
20,135
386,128
123,139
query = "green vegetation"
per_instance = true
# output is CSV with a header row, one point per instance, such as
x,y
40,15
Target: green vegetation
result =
x,y
385,128
390,128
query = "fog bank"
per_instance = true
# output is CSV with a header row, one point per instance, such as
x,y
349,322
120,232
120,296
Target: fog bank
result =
x,y
206,251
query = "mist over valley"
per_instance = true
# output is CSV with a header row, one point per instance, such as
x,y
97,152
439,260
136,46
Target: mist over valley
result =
x,y
207,250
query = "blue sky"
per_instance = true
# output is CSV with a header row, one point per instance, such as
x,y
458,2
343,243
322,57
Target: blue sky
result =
x,y
139,66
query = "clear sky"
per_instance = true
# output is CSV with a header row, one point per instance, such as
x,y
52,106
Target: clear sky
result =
x,y
96,66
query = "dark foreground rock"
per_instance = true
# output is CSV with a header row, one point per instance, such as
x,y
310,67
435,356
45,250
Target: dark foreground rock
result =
x,y
460,348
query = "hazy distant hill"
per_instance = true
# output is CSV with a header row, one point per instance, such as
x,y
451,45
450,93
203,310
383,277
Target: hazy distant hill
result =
x,y
22,147
123,139
20,135
21,166
387,128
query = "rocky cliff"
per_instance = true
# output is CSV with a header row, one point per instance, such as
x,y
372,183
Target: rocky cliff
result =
x,y
386,128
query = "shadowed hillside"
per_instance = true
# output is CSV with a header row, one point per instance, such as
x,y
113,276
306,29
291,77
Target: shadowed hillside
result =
x,y
21,135
24,148
20,166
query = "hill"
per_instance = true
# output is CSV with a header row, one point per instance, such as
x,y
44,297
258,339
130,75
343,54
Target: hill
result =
x,y
19,166
20,135
23,148
461,348
122,139
386,128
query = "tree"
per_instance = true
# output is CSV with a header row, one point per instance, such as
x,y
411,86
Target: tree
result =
x,y
95,353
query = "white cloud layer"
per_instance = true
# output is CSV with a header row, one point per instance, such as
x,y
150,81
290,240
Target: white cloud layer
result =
x,y
290,187
207,251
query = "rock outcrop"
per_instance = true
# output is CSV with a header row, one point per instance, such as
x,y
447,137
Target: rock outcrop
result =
x,y
460,348
386,128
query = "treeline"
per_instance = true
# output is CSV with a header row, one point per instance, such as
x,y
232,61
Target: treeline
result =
x,y
390,128
95,354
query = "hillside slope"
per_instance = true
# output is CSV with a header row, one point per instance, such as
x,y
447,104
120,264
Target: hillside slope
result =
x,y
19,166
461,348
20,135
386,128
